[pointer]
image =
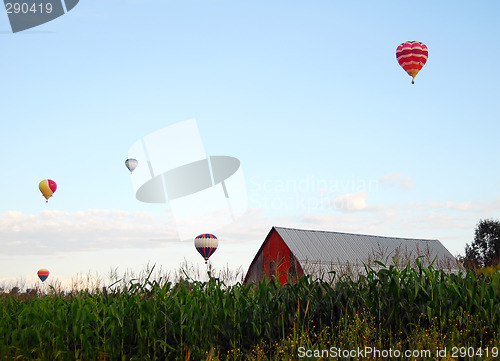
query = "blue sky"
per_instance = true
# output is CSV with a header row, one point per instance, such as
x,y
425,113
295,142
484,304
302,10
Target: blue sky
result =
x,y
308,95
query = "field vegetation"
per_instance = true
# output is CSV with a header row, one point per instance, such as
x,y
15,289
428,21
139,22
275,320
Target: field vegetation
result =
x,y
154,318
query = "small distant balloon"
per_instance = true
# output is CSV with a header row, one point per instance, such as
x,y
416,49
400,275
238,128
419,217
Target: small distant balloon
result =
x,y
131,164
206,244
43,274
412,56
47,187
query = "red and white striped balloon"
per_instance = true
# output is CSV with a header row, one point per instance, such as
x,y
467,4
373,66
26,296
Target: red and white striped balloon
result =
x,y
412,56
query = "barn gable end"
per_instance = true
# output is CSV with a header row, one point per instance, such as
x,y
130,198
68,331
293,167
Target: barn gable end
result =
x,y
274,258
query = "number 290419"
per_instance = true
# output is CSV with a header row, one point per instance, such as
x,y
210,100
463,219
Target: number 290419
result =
x,y
25,8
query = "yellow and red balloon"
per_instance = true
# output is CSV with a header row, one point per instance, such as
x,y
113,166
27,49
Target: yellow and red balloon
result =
x,y
412,56
47,187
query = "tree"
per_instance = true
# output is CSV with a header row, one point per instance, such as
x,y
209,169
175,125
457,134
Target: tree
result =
x,y
485,249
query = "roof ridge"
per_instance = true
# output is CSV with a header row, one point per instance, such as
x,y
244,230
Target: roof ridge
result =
x,y
356,234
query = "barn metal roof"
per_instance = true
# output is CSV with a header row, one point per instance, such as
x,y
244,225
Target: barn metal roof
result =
x,y
325,248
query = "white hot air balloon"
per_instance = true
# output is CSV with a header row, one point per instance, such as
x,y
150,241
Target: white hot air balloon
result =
x,y
131,164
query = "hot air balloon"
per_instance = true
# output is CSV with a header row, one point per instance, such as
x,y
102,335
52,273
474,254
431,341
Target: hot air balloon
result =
x,y
412,56
131,164
47,187
206,244
43,274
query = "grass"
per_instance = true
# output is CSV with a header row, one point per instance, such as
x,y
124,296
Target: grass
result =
x,y
153,318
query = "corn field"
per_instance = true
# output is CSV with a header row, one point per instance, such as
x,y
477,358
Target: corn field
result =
x,y
404,308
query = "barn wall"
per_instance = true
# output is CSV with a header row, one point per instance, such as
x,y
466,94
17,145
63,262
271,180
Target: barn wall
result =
x,y
274,260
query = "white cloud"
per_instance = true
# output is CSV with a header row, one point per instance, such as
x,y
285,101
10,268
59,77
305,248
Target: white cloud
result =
x,y
397,180
485,206
59,231
459,206
351,202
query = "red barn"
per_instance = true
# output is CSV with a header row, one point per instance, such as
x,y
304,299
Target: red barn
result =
x,y
288,254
